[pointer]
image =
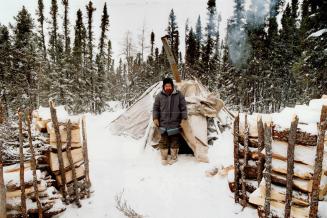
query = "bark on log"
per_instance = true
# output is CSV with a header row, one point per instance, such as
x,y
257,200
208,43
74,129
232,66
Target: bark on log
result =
x,y
86,157
261,145
3,212
2,113
245,162
302,138
290,167
236,158
267,173
318,164
22,168
70,158
59,148
33,165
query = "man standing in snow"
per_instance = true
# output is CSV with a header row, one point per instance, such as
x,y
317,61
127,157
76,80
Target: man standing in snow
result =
x,y
169,110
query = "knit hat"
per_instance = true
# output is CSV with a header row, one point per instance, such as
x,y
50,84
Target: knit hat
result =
x,y
167,80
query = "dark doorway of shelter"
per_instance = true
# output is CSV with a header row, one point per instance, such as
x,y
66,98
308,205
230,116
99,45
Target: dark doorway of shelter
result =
x,y
184,148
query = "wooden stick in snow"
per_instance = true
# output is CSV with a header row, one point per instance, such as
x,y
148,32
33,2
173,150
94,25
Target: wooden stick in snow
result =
x,y
290,166
59,150
261,145
3,212
33,166
71,163
236,158
2,113
86,157
22,170
245,162
267,173
318,164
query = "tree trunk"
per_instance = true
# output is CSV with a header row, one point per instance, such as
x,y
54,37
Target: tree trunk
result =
x,y
86,157
70,158
318,164
59,149
290,166
261,145
33,166
245,163
236,158
3,212
267,173
22,170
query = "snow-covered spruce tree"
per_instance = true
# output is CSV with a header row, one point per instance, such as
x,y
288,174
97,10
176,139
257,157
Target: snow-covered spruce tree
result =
x,y
172,32
78,75
289,53
90,66
5,67
208,63
41,19
57,78
23,87
272,92
100,85
310,69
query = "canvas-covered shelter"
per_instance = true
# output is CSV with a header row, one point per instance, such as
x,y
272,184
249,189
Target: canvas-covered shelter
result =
x,y
202,106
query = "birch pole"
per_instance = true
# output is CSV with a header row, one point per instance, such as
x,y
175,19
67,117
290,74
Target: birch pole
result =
x,y
267,173
21,168
3,212
86,157
236,158
290,166
261,145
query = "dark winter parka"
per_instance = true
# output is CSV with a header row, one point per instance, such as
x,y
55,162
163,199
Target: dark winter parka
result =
x,y
170,109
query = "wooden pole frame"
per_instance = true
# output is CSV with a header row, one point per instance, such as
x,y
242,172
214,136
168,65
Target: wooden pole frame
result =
x,y
71,163
236,159
290,166
318,164
21,168
3,211
267,173
59,149
86,157
33,165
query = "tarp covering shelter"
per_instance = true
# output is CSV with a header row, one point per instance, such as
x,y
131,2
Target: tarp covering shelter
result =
x,y
136,121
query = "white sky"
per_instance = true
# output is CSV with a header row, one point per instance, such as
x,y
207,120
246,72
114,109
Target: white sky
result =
x,y
128,15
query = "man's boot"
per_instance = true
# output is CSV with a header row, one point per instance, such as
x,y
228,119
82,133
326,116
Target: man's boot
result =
x,y
174,155
164,156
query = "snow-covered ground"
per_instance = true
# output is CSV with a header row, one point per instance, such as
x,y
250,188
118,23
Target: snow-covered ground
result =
x,y
120,166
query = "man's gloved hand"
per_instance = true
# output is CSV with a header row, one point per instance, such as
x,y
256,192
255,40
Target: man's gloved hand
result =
x,y
156,122
183,122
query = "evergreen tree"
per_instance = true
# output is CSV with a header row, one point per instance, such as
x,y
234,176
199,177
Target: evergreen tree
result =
x,y
41,27
90,68
101,92
5,69
172,31
23,90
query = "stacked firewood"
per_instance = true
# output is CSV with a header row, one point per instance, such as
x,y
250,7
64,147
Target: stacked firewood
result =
x,y
26,185
49,197
68,155
47,154
277,169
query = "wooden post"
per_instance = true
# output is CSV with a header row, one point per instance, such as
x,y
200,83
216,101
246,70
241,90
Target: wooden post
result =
x,y
267,173
33,165
22,169
2,113
290,166
245,161
261,145
86,157
59,150
236,158
171,59
3,212
318,164
71,163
